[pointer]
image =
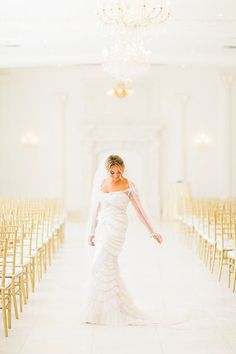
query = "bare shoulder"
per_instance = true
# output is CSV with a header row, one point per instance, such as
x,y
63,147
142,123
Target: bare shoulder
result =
x,y
125,183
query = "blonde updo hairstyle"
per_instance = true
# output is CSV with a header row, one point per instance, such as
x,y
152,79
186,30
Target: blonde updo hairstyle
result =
x,y
114,160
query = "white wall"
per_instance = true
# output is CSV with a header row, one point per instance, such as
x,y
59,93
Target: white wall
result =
x,y
68,109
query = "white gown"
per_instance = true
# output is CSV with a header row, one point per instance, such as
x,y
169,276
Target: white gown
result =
x,y
106,298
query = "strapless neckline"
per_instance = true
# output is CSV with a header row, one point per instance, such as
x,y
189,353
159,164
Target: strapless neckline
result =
x,y
123,190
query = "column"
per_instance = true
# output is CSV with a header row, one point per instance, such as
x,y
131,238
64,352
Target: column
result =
x,y
181,138
61,102
228,154
86,160
155,177
6,178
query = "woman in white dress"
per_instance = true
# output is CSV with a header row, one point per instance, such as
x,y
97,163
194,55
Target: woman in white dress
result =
x,y
106,298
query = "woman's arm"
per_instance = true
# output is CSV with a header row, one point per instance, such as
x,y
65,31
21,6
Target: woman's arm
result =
x,y
135,201
94,224
140,212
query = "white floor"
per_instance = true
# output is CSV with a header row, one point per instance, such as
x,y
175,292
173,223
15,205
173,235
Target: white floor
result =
x,y
170,277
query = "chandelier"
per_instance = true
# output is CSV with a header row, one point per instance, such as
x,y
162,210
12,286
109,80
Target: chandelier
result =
x,y
120,91
133,13
127,58
126,61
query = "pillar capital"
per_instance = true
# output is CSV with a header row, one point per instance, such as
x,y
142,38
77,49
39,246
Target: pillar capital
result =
x,y
228,79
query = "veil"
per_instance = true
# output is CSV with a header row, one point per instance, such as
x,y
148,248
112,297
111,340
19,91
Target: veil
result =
x,y
134,192
166,316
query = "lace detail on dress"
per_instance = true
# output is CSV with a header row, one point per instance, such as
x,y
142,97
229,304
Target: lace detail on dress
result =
x,y
106,297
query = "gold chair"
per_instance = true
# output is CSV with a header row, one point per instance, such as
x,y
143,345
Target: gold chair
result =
x,y
225,242
13,272
31,231
232,261
5,287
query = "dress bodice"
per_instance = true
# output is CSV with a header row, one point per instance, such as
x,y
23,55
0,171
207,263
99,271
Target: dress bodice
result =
x,y
112,207
117,199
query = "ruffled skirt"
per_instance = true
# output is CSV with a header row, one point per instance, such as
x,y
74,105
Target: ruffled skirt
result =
x,y
107,300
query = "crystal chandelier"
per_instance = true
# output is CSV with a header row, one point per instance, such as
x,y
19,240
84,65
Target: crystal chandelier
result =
x,y
126,61
120,91
133,13
127,58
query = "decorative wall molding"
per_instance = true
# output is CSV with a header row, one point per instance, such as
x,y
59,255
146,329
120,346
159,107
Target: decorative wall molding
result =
x,y
118,132
140,139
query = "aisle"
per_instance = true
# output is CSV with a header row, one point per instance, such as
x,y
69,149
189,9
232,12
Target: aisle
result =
x,y
170,276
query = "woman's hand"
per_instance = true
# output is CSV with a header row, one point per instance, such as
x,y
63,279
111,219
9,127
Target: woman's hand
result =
x,y
158,238
91,240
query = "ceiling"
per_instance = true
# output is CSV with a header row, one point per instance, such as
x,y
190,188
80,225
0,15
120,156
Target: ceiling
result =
x,y
62,32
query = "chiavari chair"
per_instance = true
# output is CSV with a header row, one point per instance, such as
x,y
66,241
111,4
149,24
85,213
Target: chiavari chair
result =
x,y
31,231
13,270
5,287
212,222
232,259
225,241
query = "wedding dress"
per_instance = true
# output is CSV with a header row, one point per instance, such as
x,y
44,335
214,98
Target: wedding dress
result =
x,y
106,298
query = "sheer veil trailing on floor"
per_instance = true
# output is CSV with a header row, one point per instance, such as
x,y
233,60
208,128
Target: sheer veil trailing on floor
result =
x,y
107,300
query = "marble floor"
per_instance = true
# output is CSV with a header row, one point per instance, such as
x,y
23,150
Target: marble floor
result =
x,y
169,277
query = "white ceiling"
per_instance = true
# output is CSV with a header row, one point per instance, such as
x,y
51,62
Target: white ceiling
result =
x,y
61,32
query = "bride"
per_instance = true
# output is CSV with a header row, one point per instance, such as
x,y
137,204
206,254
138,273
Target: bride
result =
x,y
106,298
